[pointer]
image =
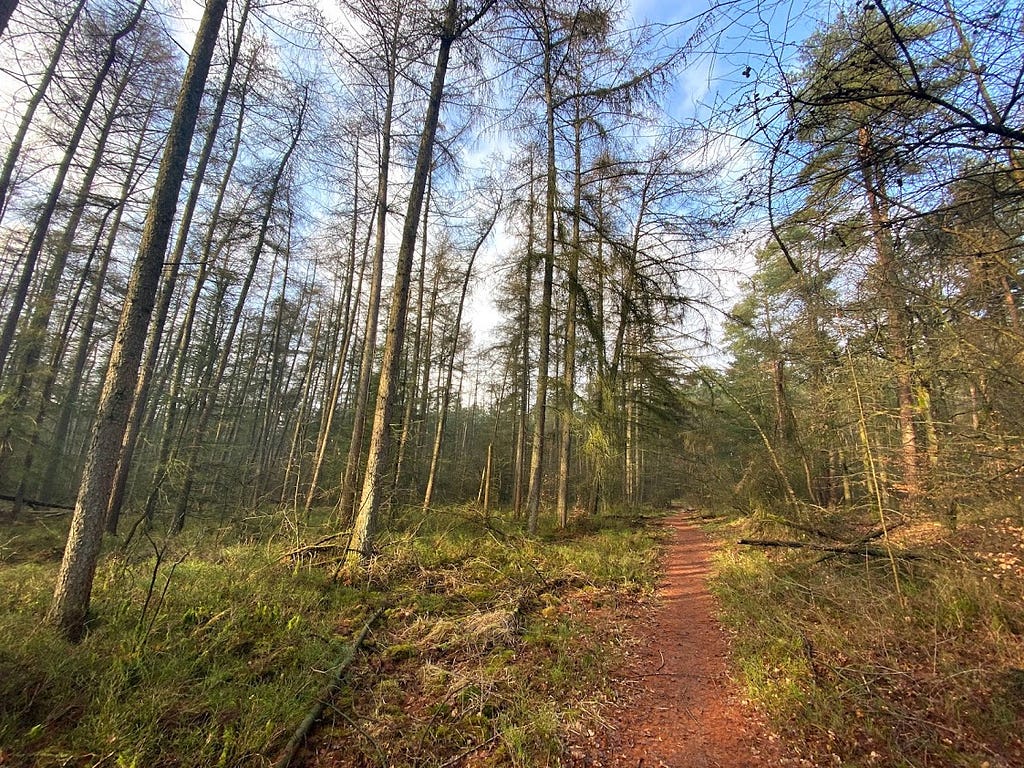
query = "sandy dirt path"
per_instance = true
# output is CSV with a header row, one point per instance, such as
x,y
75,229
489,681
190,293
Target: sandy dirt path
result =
x,y
680,707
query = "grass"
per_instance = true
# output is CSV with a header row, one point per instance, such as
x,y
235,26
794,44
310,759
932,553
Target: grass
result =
x,y
208,649
851,670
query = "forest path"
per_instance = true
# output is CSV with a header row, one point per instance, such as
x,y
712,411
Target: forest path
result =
x,y
681,709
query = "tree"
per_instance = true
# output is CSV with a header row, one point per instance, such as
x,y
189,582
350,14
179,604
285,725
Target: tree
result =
x,y
69,609
388,33
452,28
48,208
141,396
485,231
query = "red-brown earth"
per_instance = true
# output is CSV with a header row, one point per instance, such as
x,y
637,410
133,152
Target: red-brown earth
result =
x,y
678,705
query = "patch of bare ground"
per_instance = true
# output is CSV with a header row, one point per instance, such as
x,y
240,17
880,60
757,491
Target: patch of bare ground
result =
x,y
676,704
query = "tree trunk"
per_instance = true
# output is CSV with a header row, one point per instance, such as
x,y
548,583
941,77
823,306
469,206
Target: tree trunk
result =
x,y
446,392
367,516
349,303
890,291
412,375
198,433
544,344
31,350
519,467
88,320
172,269
164,453
70,606
355,446
569,366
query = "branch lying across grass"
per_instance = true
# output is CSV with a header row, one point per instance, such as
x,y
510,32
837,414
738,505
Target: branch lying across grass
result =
x,y
875,534
37,504
322,700
848,550
315,549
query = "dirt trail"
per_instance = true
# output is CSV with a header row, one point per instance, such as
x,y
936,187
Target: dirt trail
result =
x,y
680,707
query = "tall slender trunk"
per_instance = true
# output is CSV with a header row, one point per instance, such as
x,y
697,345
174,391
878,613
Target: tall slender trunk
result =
x,y
73,588
544,344
446,392
294,455
889,288
172,269
70,400
31,351
367,516
355,446
206,256
412,375
569,366
214,383
519,465
428,352
350,302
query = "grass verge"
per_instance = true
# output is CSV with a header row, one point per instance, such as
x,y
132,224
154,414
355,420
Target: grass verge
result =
x,y
207,649
859,673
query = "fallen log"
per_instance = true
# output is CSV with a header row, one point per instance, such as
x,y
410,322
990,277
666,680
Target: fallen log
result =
x,y
317,710
845,550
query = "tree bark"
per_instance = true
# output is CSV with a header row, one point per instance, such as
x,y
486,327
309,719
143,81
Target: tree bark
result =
x,y
520,479
367,516
70,606
31,349
206,251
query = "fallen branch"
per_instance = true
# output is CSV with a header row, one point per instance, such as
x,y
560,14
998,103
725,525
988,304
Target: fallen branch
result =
x,y
877,533
322,701
848,550
317,547
36,503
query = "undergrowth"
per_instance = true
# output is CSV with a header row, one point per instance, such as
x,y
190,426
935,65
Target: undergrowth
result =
x,y
854,671
207,649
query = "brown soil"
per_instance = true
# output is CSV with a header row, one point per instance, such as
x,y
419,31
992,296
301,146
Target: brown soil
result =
x,y
679,706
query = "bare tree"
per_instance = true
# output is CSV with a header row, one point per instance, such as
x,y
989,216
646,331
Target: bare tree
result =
x,y
69,609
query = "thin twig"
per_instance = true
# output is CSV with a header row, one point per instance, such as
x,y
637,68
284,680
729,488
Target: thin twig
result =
x,y
323,700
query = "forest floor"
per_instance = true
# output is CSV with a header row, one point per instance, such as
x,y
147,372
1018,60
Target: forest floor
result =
x,y
622,640
679,705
